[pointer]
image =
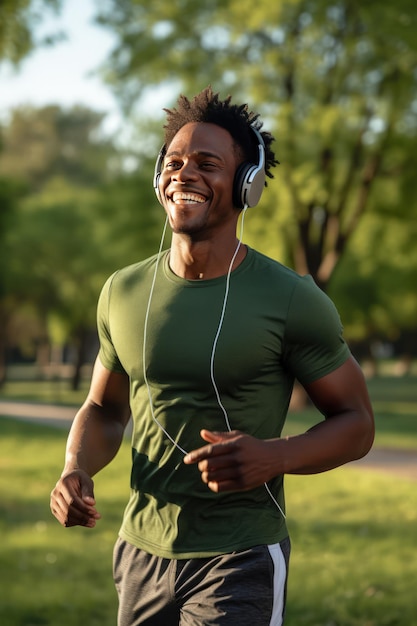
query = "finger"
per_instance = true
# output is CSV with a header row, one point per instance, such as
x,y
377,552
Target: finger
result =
x,y
198,455
72,510
89,500
226,474
76,503
224,444
216,465
212,436
225,485
70,516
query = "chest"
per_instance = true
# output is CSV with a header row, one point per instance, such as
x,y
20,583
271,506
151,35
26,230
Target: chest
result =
x,y
184,336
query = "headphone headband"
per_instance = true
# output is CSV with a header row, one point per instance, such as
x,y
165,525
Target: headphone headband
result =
x,y
249,181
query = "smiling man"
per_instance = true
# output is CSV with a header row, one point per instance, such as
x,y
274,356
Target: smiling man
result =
x,y
202,344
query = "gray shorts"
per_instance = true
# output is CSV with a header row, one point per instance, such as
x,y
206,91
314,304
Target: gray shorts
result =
x,y
247,587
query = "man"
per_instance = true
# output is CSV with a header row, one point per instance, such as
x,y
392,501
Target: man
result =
x,y
202,344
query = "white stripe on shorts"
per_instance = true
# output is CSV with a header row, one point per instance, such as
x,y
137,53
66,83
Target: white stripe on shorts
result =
x,y
280,573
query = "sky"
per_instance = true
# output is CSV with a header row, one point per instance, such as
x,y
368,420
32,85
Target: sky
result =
x,y
63,74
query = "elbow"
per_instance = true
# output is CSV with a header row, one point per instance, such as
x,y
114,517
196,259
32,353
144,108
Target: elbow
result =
x,y
366,437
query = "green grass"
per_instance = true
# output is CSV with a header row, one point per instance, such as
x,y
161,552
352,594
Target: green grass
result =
x,y
50,575
354,531
394,400
354,535
49,391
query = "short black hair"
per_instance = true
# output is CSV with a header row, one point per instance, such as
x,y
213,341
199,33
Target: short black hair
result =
x,y
236,119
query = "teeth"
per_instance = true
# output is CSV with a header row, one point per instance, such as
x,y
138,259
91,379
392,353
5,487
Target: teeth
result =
x,y
179,197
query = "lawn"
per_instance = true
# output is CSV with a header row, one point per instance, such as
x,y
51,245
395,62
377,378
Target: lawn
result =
x,y
48,574
354,532
394,401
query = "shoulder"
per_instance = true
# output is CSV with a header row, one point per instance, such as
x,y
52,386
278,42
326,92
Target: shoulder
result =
x,y
311,305
271,273
308,308
283,285
131,275
265,264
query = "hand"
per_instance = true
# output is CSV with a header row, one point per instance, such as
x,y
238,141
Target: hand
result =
x,y
72,500
233,461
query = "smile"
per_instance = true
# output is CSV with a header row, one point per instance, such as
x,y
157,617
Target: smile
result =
x,y
191,198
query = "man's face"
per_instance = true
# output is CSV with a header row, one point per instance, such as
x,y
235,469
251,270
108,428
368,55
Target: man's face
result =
x,y
196,182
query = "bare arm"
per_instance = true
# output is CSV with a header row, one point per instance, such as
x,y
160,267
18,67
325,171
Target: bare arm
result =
x,y
233,461
346,434
94,439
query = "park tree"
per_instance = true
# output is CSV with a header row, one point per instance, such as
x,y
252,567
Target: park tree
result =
x,y
56,266
60,160
42,143
83,214
19,20
375,282
10,193
335,80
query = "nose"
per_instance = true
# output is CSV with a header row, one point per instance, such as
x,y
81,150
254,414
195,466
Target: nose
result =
x,y
187,171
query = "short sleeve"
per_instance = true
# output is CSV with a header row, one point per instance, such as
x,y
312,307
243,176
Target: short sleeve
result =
x,y
107,353
314,345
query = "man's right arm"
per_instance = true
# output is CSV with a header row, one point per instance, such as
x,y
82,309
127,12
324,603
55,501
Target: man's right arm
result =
x,y
94,439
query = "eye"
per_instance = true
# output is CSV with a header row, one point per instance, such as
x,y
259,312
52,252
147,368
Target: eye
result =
x,y
208,165
172,165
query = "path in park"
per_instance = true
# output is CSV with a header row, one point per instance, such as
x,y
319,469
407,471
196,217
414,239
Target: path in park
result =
x,y
401,462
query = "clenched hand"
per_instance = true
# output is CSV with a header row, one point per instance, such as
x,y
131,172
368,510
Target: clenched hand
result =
x,y
72,500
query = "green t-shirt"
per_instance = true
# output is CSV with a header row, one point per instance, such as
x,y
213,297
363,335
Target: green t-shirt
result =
x,y
277,326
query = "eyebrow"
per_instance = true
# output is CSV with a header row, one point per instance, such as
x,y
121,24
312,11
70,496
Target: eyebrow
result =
x,y
205,153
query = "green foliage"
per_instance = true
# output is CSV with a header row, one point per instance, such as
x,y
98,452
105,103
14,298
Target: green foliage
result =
x,y
375,283
18,20
39,144
80,219
130,217
10,192
336,83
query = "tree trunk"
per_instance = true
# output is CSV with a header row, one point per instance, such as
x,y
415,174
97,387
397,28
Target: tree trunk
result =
x,y
82,344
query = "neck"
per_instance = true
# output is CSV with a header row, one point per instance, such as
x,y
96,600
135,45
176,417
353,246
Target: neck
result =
x,y
202,260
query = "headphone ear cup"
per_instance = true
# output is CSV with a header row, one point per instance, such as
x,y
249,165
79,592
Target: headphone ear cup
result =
x,y
253,186
157,172
156,187
248,185
249,181
238,184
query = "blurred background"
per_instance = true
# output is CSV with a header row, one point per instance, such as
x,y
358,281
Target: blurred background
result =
x,y
83,84
82,88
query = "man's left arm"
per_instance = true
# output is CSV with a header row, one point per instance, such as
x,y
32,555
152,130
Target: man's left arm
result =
x,y
347,432
237,461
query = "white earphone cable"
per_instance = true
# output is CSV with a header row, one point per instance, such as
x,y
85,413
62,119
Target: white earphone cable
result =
x,y
213,351
145,334
214,347
219,327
